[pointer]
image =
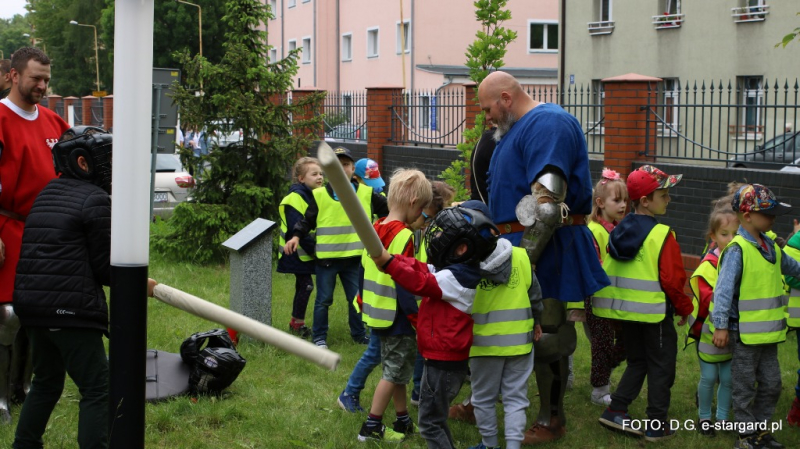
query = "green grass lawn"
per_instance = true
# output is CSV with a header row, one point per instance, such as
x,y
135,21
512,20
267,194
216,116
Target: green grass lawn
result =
x,y
281,401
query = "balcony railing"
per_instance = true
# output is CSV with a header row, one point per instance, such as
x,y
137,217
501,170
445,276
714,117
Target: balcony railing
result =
x,y
750,13
667,21
596,28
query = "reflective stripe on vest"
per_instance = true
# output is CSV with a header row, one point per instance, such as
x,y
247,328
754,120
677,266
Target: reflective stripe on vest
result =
x,y
299,204
600,235
793,309
705,346
503,320
379,293
761,309
336,237
421,255
635,293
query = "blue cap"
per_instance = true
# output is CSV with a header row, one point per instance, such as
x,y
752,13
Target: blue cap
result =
x,y
478,206
367,169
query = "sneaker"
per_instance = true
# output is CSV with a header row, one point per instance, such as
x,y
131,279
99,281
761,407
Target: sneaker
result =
x,y
322,344
619,421
706,428
379,433
793,418
349,403
462,412
750,442
303,331
601,396
403,427
415,398
483,446
770,441
656,435
362,340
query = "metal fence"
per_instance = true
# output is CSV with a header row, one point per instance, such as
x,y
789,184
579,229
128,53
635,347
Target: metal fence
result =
x,y
97,112
583,102
743,123
77,109
345,116
428,117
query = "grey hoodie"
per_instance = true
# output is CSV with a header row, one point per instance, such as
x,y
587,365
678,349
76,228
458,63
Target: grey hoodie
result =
x,y
497,268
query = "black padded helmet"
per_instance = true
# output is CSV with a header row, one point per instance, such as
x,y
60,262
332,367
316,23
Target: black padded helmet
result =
x,y
456,225
95,145
213,359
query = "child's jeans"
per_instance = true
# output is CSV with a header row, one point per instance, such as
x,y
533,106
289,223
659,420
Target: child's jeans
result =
x,y
326,271
751,365
366,364
710,373
439,388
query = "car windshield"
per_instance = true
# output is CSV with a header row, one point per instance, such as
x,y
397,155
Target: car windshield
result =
x,y
168,163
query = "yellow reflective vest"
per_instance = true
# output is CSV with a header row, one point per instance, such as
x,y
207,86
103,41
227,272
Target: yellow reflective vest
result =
x,y
635,293
705,346
503,320
600,235
336,236
379,294
761,307
299,204
793,308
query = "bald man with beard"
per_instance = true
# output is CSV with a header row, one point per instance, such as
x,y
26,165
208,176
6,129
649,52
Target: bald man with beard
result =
x,y
539,190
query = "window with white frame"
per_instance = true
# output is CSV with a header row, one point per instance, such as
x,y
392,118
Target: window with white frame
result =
x,y
347,47
292,45
292,3
373,41
403,37
671,89
603,14
307,50
670,7
542,36
273,55
604,10
347,107
273,9
596,116
306,1
424,111
752,98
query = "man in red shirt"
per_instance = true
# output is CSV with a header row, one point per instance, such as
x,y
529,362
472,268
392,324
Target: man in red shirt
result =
x,y
27,135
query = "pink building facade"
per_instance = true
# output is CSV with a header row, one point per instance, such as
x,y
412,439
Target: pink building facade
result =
x,y
354,44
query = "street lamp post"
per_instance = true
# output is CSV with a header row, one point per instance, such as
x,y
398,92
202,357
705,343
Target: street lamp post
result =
x,y
96,58
199,32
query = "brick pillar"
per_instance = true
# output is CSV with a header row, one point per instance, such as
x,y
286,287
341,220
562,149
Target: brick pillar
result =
x,y
68,101
308,112
625,120
53,101
108,112
86,109
379,120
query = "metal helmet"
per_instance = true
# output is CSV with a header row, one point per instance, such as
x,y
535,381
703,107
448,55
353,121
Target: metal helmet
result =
x,y
456,225
215,369
215,338
94,144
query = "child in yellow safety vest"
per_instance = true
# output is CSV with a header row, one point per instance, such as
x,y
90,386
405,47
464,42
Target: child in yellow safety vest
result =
x,y
792,249
647,276
749,312
307,176
715,363
609,203
338,249
391,311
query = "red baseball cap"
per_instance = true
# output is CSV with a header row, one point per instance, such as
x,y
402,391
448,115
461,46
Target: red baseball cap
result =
x,y
647,179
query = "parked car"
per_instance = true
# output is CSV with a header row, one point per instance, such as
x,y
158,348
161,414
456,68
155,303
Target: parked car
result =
x,y
347,131
172,184
794,167
226,134
773,155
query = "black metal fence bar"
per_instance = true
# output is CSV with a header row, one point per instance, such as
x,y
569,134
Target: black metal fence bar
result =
x,y
735,124
585,103
345,116
77,108
428,117
97,112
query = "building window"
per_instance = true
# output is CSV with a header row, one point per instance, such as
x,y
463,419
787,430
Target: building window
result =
x,y
292,3
306,1
273,8
752,99
604,24
669,15
604,10
424,111
292,45
373,41
542,37
750,11
347,107
273,55
307,50
671,89
347,47
597,115
403,42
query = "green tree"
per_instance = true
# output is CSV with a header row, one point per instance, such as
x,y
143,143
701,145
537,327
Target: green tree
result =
x,y
242,181
11,34
789,37
484,55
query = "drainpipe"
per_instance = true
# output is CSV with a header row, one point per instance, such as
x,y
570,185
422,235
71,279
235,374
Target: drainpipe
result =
x,y
338,51
448,82
413,43
315,50
563,38
283,43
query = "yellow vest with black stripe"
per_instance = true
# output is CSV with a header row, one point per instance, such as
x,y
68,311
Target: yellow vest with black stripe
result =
x,y
705,346
422,256
380,293
635,293
601,237
793,309
336,236
503,321
299,204
761,307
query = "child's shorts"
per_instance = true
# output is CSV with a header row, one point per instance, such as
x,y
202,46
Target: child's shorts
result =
x,y
398,354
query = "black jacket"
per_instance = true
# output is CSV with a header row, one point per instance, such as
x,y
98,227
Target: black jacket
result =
x,y
65,258
481,156
292,262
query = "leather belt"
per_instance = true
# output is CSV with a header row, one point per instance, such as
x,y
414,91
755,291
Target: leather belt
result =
x,y
514,226
12,215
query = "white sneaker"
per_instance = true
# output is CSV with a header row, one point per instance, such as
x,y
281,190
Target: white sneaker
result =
x,y
601,396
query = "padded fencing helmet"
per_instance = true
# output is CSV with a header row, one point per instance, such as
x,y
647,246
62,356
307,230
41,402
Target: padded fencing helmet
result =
x,y
95,145
456,225
215,338
214,361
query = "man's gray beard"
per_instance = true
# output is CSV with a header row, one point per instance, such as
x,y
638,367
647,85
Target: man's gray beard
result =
x,y
503,126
